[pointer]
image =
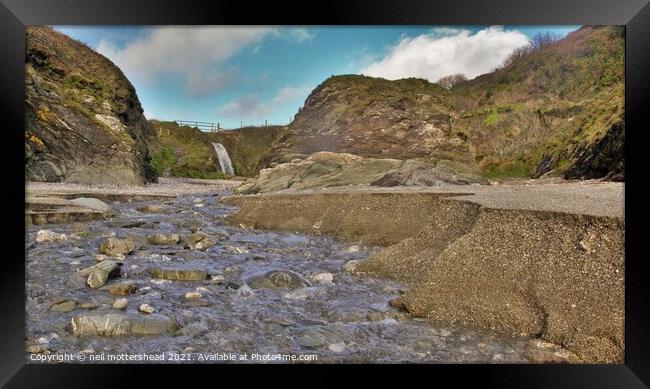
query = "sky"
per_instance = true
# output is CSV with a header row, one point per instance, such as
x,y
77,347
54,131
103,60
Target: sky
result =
x,y
238,75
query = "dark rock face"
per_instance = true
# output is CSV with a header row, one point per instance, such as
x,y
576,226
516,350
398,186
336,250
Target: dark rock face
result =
x,y
84,122
604,158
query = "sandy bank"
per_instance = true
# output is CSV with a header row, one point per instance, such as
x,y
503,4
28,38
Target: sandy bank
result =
x,y
544,260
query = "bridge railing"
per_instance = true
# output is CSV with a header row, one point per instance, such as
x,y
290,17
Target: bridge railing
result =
x,y
210,126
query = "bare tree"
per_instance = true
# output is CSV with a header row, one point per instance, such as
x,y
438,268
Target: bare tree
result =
x,y
517,55
542,39
451,80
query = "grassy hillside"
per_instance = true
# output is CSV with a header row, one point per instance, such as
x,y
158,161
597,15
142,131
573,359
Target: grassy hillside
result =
x,y
554,109
539,113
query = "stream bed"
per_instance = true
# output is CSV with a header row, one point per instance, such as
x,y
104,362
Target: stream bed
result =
x,y
328,315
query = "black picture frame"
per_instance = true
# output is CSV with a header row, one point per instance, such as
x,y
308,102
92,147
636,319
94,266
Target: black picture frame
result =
x,y
634,14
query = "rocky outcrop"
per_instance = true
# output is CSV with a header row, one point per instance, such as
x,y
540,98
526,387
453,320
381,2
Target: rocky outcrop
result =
x,y
372,117
84,123
503,258
603,158
325,169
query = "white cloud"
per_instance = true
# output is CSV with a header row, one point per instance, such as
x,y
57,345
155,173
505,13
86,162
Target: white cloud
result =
x,y
197,54
251,107
194,53
301,35
447,51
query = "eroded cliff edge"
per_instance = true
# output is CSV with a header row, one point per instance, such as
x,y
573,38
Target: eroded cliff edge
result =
x,y
525,259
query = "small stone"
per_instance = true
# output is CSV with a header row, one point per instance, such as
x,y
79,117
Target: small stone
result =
x,y
337,347
179,274
97,278
37,349
123,288
88,305
49,236
121,303
323,278
146,308
155,208
64,306
199,241
237,249
193,295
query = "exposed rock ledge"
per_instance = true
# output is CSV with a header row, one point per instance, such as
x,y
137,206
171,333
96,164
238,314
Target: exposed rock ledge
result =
x,y
544,260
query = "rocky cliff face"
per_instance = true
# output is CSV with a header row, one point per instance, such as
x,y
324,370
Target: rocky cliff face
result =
x,y
83,120
373,117
555,111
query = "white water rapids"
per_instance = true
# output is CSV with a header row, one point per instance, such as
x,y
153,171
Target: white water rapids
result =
x,y
224,159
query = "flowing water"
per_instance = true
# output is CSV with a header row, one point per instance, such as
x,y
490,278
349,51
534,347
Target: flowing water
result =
x,y
224,158
348,320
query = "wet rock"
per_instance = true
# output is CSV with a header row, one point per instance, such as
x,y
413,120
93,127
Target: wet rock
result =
x,y
155,208
351,266
115,246
64,306
91,203
115,324
43,236
337,347
323,278
37,349
101,257
162,239
120,303
199,241
99,273
539,351
100,325
178,274
146,308
193,295
88,305
76,281
194,329
123,288
278,280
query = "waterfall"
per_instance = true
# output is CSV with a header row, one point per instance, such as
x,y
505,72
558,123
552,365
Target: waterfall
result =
x,y
224,159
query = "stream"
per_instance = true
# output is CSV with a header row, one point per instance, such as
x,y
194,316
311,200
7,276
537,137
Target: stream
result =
x,y
347,320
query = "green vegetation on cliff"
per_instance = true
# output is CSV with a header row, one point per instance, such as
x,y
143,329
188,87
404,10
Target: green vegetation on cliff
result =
x,y
556,108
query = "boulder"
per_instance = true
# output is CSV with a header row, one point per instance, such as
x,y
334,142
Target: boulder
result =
x,y
116,246
99,273
123,288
